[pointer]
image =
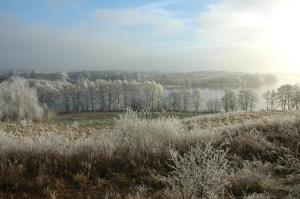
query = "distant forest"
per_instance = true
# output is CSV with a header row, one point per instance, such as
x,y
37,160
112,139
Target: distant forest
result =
x,y
209,79
119,91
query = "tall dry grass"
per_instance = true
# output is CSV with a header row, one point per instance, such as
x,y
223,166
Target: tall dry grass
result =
x,y
139,156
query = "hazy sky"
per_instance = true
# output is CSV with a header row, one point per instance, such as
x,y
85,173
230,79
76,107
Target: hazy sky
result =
x,y
166,35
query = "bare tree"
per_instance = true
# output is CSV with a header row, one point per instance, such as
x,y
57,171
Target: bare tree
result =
x,y
229,101
213,105
133,87
66,91
273,99
285,93
186,98
296,97
101,90
197,99
92,93
112,94
175,99
267,97
149,92
253,99
247,99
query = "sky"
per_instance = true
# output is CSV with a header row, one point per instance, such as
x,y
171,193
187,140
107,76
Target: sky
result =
x,y
147,35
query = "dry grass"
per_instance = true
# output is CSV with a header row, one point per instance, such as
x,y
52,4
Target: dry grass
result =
x,y
132,159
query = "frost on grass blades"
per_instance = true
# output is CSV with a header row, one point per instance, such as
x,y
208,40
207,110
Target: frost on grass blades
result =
x,y
161,99
154,157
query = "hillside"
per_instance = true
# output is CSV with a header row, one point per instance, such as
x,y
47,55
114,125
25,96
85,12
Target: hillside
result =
x,y
135,158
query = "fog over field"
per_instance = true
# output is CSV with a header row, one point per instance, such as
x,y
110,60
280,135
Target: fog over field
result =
x,y
149,99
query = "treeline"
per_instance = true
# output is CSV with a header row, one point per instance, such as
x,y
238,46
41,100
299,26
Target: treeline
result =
x,y
286,97
74,76
216,80
120,95
175,80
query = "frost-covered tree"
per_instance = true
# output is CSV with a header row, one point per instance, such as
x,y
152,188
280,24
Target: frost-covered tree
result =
x,y
285,94
253,100
247,99
296,97
62,75
18,101
65,89
48,91
175,99
186,98
213,105
148,90
92,94
159,92
101,92
113,91
229,101
273,98
197,99
133,90
267,97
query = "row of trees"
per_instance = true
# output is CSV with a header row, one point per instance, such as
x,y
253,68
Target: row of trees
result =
x,y
210,79
245,100
215,79
119,95
102,95
22,99
287,97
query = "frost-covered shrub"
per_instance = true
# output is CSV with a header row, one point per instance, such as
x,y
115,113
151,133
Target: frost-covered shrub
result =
x,y
257,196
201,173
253,177
18,101
142,133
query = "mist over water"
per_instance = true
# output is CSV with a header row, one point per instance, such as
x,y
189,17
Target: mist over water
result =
x,y
210,93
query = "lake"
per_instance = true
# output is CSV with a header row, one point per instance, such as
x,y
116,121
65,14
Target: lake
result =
x,y
209,93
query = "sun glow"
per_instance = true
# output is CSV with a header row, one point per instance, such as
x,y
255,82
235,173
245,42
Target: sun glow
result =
x,y
285,33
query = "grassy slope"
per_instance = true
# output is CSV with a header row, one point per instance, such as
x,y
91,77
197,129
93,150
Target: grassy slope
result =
x,y
105,119
269,140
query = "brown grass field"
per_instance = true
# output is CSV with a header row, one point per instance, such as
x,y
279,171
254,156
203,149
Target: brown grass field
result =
x,y
107,156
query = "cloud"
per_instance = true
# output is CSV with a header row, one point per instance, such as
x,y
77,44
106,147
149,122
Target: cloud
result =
x,y
152,16
235,21
229,35
238,35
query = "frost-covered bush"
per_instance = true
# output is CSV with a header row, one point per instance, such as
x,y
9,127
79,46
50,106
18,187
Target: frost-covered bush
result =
x,y
257,196
142,133
201,173
18,101
253,177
